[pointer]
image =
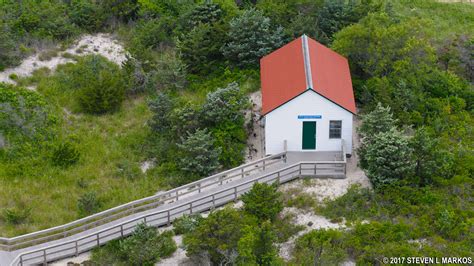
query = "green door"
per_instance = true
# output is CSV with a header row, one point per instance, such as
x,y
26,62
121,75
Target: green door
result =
x,y
309,135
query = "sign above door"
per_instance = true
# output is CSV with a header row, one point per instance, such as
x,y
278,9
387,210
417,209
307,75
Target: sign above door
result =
x,y
309,116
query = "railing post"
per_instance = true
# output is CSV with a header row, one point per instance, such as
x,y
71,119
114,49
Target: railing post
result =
x,y
169,218
177,195
199,187
264,165
191,207
235,194
315,167
21,260
242,172
144,219
213,201
300,168
77,249
121,230
278,177
44,258
98,241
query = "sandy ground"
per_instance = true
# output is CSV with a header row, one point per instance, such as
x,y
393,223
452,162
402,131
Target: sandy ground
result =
x,y
254,150
103,44
311,222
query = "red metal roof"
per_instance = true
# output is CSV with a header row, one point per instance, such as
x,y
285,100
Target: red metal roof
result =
x,y
305,64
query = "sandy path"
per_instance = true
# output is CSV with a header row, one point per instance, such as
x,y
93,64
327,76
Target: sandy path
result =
x,y
101,43
254,149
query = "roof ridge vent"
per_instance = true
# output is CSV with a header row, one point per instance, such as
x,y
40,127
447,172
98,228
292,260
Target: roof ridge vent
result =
x,y
307,62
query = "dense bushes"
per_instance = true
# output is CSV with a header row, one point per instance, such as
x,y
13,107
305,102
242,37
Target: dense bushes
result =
x,y
95,82
87,15
198,154
320,247
248,237
251,36
206,136
26,122
15,216
405,220
263,202
100,85
65,154
144,247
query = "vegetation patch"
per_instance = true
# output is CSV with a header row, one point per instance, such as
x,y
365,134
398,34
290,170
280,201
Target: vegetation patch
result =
x,y
145,246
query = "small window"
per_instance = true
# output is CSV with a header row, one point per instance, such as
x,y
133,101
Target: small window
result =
x,y
335,127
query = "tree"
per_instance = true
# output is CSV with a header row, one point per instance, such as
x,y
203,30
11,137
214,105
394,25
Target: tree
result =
x,y
378,45
101,87
161,106
146,246
225,104
200,48
256,246
198,153
320,247
251,36
150,34
231,137
430,160
9,53
263,201
388,158
87,15
377,121
170,73
205,13
216,237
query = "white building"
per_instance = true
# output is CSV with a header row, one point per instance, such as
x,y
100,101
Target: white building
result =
x,y
307,98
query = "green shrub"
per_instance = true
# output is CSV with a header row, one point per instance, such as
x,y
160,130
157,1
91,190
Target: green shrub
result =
x,y
217,236
87,15
88,204
198,153
225,104
186,224
257,246
48,55
65,154
263,201
170,73
231,138
302,201
145,246
251,36
389,158
356,203
10,55
151,34
200,48
101,88
320,247
16,216
25,118
13,76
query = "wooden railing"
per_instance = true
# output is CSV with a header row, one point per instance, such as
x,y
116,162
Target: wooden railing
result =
x,y
140,205
165,217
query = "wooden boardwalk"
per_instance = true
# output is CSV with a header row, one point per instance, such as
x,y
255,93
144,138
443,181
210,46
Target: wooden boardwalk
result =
x,y
200,196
